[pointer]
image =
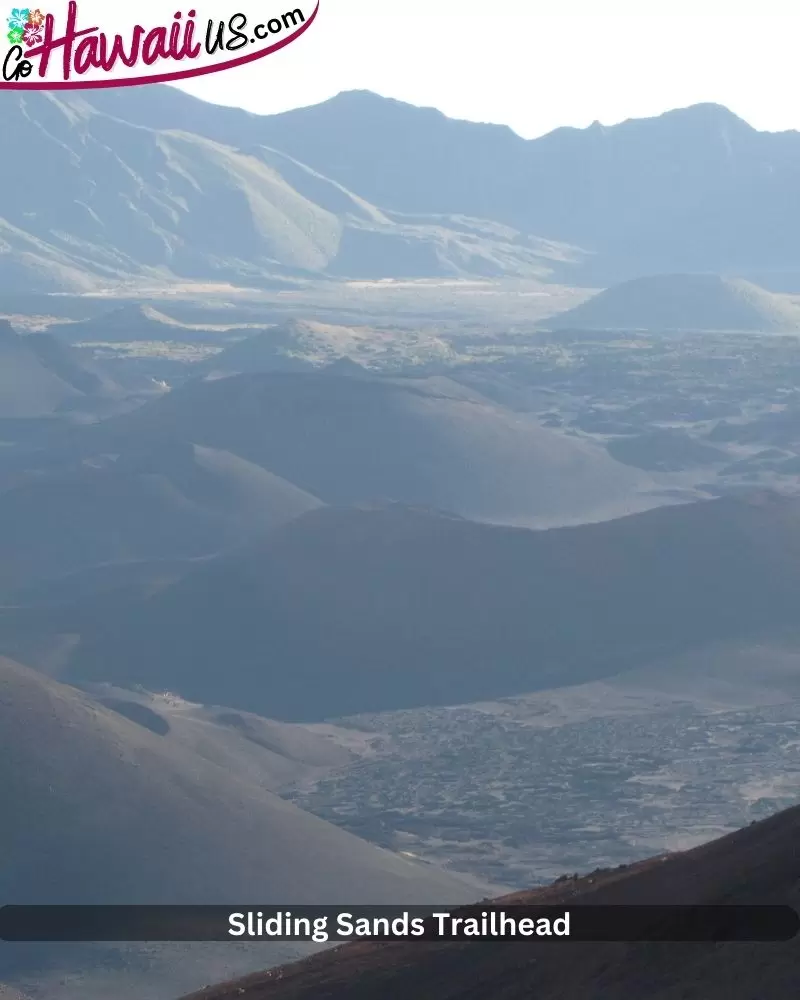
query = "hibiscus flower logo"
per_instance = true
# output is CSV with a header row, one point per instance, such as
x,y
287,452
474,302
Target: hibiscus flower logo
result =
x,y
19,18
25,26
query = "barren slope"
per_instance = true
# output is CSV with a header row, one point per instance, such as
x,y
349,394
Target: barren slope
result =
x,y
757,865
346,611
418,441
98,808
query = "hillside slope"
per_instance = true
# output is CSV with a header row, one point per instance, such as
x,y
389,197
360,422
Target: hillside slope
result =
x,y
365,186
39,376
174,501
116,201
272,754
695,189
684,302
289,346
419,441
756,865
347,611
100,809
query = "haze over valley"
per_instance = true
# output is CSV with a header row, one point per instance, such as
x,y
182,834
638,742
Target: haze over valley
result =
x,y
395,510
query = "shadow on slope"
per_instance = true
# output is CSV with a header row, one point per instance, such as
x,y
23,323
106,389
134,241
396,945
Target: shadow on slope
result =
x,y
347,611
418,441
39,376
173,501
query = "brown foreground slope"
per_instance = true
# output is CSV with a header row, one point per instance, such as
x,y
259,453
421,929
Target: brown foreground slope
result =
x,y
760,864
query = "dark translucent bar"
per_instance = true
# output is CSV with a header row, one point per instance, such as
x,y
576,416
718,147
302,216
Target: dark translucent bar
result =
x,y
339,923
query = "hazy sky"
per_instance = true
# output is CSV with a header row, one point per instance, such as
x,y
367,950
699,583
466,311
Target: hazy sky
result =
x,y
532,64
538,64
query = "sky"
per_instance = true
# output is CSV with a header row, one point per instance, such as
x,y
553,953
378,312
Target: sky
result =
x,y
531,64
536,64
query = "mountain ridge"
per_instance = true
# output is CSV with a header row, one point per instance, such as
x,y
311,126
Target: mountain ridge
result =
x,y
134,201
694,189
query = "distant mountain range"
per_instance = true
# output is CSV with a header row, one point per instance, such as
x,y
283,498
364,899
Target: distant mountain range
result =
x,y
150,182
757,865
112,201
